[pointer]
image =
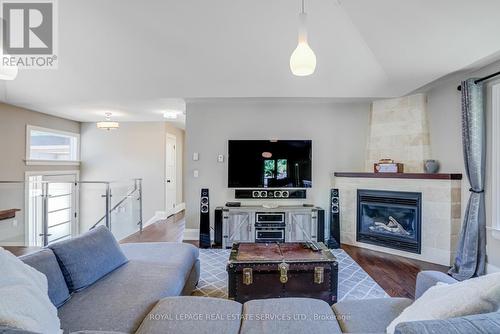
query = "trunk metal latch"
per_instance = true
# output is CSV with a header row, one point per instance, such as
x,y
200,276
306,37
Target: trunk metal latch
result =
x,y
247,276
283,268
319,275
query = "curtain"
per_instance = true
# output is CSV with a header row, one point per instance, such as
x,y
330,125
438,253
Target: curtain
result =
x,y
471,250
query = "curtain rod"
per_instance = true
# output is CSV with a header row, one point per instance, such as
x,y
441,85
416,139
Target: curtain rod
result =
x,y
482,79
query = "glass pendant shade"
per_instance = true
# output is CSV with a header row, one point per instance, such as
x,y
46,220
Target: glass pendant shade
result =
x,y
303,59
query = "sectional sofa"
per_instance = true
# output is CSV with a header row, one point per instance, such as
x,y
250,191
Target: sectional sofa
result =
x,y
101,287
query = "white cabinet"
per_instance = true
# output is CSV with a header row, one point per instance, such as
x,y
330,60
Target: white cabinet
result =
x,y
302,224
301,227
238,227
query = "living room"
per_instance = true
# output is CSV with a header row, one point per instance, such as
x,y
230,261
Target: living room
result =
x,y
226,174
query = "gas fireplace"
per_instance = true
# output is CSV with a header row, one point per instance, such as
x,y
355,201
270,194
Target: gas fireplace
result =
x,y
390,219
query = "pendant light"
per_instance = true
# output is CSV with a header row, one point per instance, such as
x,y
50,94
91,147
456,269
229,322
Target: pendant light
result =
x,y
108,124
303,59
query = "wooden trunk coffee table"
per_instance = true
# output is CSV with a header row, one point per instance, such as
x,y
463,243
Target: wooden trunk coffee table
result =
x,y
258,271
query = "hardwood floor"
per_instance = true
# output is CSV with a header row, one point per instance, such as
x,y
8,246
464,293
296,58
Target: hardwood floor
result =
x,y
396,275
170,229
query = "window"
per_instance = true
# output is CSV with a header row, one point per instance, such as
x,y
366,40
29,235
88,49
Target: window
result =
x,y
47,146
495,159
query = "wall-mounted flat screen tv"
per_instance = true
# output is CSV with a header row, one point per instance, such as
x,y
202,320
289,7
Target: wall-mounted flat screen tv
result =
x,y
270,163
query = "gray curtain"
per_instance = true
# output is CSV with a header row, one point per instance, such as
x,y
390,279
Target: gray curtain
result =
x,y
471,251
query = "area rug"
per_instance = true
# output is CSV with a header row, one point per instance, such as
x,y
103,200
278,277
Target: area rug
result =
x,y
354,282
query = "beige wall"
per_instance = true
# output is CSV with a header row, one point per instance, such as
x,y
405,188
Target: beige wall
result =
x,y
446,139
338,133
399,130
135,150
13,121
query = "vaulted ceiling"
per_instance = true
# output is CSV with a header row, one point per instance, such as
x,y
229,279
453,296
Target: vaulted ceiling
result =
x,y
138,58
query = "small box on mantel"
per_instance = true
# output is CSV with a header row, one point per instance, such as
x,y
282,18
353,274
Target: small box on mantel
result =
x,y
388,166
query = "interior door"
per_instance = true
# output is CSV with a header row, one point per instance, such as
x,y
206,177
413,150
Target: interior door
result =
x,y
170,175
62,211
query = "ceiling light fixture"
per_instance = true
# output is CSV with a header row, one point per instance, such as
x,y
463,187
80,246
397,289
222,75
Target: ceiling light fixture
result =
x,y
171,114
303,59
108,124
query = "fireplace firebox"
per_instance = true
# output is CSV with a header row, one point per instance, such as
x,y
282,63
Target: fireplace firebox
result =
x,y
390,219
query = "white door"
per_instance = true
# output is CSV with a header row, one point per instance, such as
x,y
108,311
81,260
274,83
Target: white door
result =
x,y
170,175
62,208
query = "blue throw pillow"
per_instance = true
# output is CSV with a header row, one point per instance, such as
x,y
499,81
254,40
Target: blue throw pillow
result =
x,y
45,262
89,257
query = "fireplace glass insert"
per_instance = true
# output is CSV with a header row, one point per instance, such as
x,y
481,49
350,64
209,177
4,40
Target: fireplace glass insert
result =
x,y
390,219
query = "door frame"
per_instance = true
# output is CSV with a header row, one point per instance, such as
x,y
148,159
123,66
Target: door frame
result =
x,y
169,211
27,174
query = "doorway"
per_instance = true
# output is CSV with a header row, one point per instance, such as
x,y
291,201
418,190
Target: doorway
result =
x,y
171,174
62,206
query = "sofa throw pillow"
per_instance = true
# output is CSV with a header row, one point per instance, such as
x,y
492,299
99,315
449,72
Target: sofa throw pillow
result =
x,y
445,301
25,302
45,262
88,257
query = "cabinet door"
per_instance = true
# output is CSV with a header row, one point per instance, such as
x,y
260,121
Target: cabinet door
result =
x,y
240,227
300,227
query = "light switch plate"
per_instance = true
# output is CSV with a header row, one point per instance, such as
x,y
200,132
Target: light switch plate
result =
x,y
196,173
220,158
196,156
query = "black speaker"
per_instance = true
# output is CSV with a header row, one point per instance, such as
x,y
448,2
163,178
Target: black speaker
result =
x,y
321,225
204,219
219,217
334,240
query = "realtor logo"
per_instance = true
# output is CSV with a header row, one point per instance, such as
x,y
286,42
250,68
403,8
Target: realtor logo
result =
x,y
28,33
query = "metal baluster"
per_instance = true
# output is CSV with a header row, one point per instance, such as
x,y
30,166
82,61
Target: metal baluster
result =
x,y
108,206
138,183
45,214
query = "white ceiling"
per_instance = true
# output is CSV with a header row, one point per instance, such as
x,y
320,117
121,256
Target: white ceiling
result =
x,y
138,58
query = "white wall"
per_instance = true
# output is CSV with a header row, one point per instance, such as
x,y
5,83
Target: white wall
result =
x,y
135,150
13,121
338,132
446,138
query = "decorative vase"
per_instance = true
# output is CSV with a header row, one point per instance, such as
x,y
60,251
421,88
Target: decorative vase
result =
x,y
431,166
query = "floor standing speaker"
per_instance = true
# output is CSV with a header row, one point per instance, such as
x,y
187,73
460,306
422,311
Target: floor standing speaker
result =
x,y
204,219
334,240
219,218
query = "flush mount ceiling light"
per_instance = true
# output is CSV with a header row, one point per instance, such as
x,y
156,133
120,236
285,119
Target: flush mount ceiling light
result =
x,y
108,124
171,114
303,59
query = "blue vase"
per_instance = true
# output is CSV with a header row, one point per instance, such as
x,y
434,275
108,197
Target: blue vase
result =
x,y
431,166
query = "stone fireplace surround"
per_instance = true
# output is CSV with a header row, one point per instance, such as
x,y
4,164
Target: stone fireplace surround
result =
x,y
441,210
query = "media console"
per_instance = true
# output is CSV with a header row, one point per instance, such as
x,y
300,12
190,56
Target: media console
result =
x,y
262,225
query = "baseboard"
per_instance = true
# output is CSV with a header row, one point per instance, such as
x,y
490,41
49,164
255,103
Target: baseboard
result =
x,y
491,268
191,234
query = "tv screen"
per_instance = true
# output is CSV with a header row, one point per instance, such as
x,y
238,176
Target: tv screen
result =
x,y
270,163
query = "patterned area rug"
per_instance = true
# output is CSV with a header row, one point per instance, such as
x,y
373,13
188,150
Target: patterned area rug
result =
x,y
354,282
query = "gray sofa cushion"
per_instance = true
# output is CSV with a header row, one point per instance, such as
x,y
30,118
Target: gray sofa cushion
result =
x,y
45,262
121,300
10,330
488,323
87,258
429,278
174,255
187,315
369,315
288,315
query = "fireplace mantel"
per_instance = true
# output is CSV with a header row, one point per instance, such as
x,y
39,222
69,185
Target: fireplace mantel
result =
x,y
418,176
